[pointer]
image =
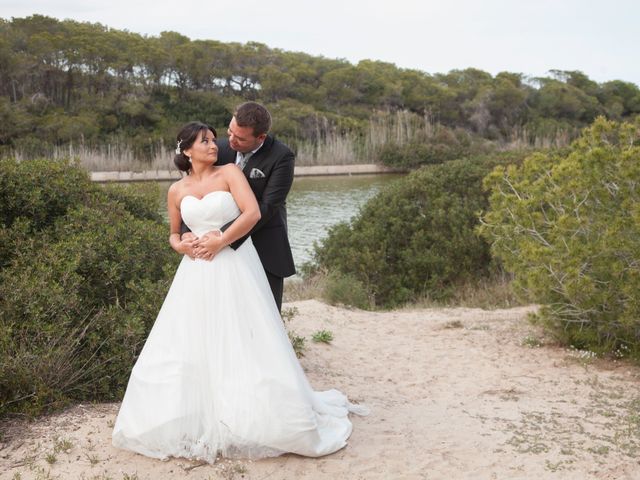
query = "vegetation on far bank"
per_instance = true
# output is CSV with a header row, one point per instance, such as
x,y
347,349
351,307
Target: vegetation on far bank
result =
x,y
109,95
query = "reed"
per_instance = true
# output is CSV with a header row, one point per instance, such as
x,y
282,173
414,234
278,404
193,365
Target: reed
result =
x,y
397,127
109,157
331,147
328,145
521,137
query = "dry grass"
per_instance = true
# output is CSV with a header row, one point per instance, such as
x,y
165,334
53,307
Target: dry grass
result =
x,y
487,293
111,157
331,149
520,138
296,288
334,148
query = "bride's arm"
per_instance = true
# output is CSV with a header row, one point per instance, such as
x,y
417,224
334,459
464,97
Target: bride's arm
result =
x,y
175,219
249,216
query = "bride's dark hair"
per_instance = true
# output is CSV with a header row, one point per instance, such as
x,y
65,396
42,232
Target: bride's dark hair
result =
x,y
185,139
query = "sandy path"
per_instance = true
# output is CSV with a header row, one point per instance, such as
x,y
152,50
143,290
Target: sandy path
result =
x,y
454,393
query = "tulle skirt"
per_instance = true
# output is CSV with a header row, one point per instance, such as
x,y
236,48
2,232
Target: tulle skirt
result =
x,y
218,375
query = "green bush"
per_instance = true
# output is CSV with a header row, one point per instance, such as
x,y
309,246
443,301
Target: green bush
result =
x,y
84,272
417,236
141,201
39,190
568,226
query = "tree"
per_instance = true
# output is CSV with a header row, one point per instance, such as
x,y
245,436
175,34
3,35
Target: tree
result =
x,y
568,226
556,99
423,94
507,102
620,99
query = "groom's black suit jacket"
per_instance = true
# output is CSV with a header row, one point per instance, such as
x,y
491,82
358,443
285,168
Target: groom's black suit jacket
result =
x,y
276,161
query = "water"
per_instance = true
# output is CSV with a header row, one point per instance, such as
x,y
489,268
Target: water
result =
x,y
316,203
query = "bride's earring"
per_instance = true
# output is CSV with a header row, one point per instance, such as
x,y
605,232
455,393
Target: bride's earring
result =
x,y
188,158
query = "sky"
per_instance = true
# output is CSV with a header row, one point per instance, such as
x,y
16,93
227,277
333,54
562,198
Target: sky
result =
x,y
598,37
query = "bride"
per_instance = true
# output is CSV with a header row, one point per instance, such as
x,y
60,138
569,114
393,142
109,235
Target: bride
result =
x,y
218,375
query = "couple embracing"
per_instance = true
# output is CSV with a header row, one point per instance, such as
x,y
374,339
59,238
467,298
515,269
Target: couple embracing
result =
x,y
217,374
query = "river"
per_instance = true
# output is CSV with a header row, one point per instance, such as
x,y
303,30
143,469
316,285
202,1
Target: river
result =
x,y
316,203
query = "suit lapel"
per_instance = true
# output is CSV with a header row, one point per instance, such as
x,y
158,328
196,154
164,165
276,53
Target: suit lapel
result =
x,y
256,157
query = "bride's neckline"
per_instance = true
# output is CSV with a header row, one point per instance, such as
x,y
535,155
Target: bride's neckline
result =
x,y
205,195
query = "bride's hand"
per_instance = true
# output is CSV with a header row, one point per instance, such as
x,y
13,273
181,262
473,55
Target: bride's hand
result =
x,y
207,246
186,246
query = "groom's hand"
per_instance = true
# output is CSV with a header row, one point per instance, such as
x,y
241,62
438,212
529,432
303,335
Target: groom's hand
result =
x,y
207,246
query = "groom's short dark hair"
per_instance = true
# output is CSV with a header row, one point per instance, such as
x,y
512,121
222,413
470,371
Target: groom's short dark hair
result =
x,y
254,115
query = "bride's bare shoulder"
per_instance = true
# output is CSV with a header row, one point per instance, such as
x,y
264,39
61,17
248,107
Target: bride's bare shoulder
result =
x,y
230,169
176,187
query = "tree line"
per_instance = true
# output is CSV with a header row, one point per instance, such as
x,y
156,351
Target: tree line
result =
x,y
68,81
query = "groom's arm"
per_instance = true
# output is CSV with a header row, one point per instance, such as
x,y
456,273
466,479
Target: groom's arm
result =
x,y
183,228
276,190
274,194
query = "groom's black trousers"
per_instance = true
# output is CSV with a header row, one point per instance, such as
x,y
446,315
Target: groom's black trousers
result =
x,y
276,284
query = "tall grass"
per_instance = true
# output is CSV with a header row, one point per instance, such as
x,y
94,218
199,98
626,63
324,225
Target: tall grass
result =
x,y
331,149
334,148
521,137
328,147
110,157
397,128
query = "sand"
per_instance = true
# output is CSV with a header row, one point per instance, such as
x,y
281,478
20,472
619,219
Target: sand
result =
x,y
455,394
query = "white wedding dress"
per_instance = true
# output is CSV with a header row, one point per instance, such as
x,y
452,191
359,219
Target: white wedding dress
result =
x,y
218,375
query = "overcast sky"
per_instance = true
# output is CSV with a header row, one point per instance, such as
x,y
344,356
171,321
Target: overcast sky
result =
x,y
599,37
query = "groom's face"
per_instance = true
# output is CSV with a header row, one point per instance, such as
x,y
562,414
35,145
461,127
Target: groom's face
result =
x,y
242,139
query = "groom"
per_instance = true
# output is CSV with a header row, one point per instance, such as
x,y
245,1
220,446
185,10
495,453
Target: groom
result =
x,y
268,166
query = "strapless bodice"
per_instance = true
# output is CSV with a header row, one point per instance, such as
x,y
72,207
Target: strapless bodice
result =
x,y
208,213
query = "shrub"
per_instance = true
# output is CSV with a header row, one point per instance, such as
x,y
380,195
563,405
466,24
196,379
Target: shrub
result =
x,y
79,287
568,226
141,201
39,190
417,236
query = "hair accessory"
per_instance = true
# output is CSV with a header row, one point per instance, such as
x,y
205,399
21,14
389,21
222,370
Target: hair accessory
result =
x,y
178,152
